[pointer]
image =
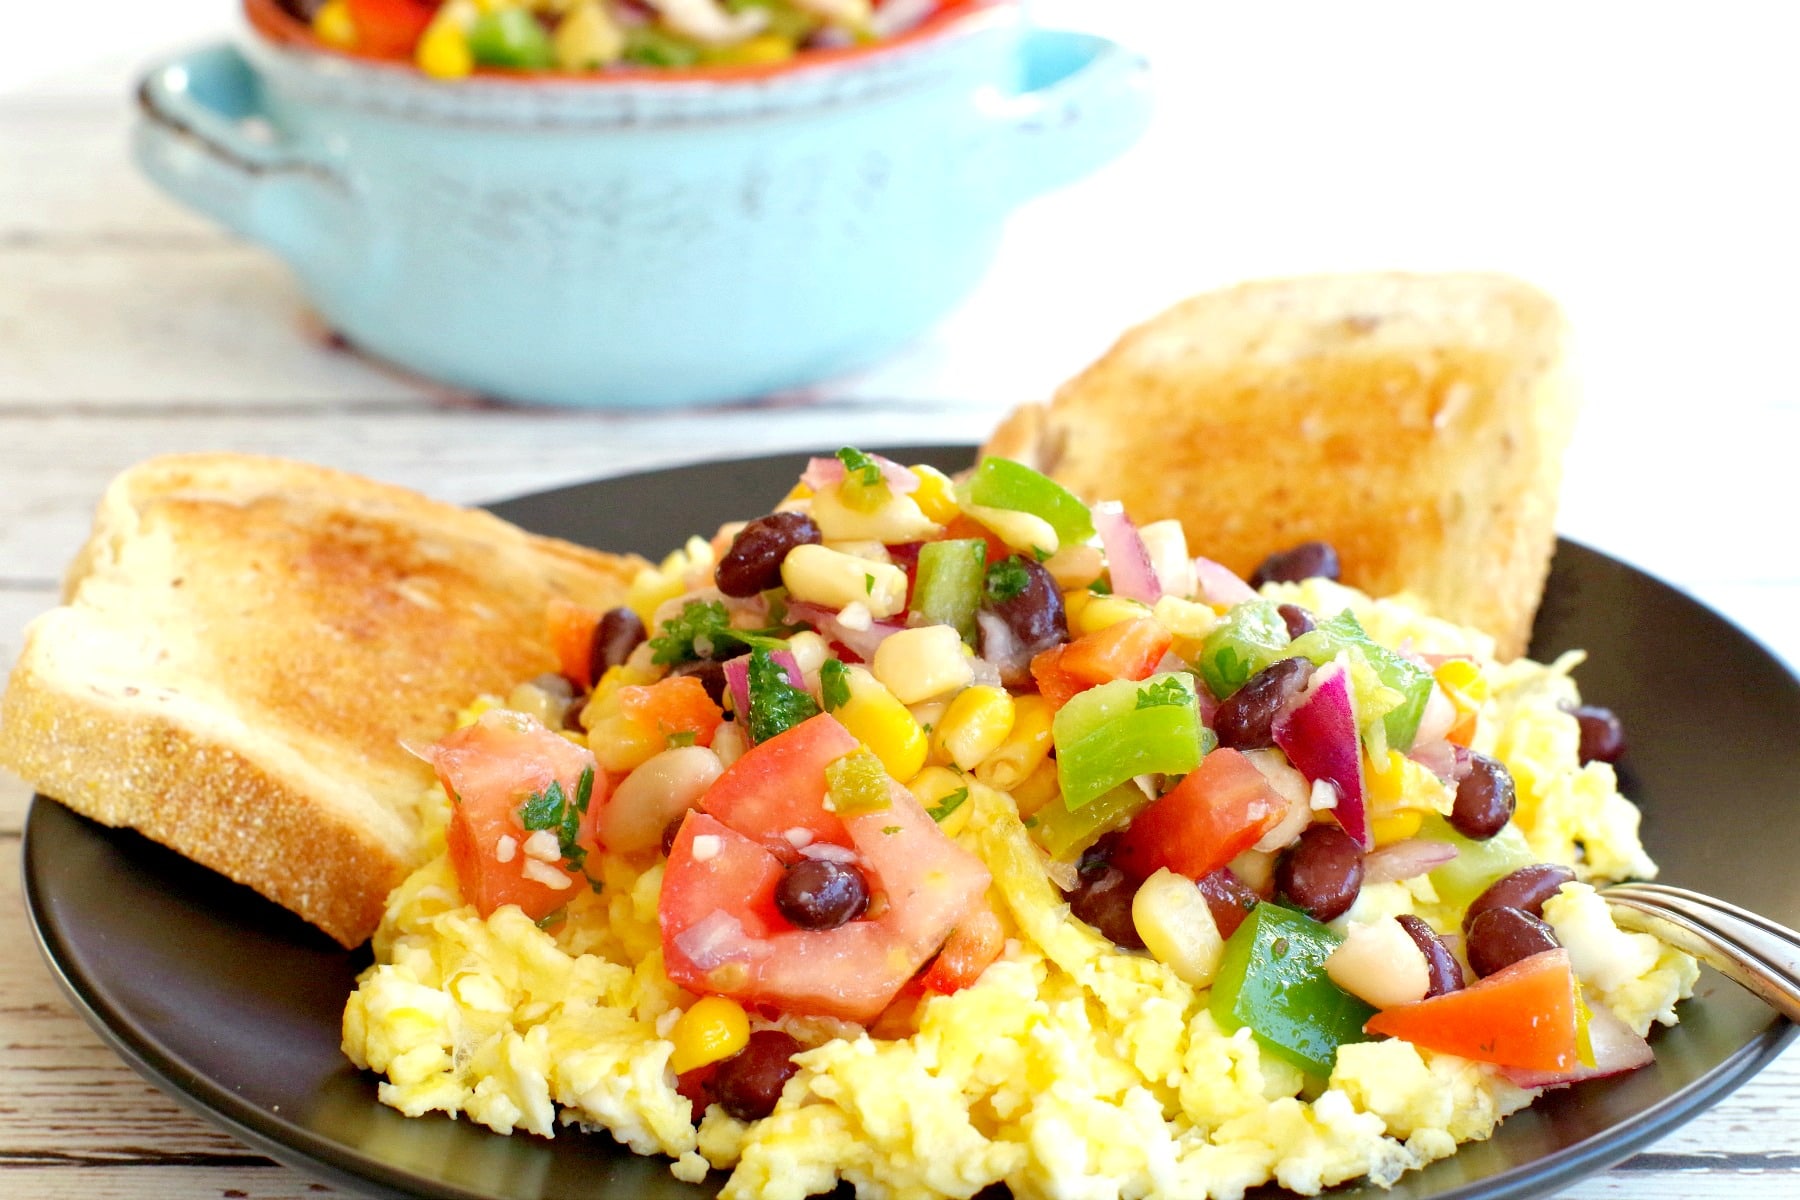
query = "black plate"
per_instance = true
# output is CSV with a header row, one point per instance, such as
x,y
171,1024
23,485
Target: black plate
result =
x,y
233,1005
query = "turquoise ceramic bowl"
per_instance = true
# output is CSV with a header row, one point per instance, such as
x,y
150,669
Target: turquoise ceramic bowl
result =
x,y
637,241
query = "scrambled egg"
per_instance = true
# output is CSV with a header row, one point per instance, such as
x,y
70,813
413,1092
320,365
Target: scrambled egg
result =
x,y
1072,1069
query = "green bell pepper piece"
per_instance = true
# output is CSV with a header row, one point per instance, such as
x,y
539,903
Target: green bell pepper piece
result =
x,y
1064,834
1477,864
1412,681
857,783
650,46
1108,734
511,37
1272,978
1247,639
1003,483
947,590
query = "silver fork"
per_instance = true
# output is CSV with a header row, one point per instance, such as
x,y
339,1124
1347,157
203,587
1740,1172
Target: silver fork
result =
x,y
1752,950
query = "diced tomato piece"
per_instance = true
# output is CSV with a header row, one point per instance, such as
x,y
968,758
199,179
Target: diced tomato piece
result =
x,y
1523,1016
971,947
572,637
490,769
779,786
961,528
673,707
1463,732
1217,811
390,28
1055,685
718,937
1127,650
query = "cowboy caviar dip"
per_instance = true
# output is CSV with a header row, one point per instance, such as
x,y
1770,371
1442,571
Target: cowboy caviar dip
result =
x,y
930,836
449,39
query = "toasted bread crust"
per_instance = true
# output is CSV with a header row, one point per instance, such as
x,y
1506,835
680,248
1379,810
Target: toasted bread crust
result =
x,y
247,647
1417,423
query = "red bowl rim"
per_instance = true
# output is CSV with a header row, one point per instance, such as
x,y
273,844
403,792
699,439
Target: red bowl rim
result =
x,y
284,29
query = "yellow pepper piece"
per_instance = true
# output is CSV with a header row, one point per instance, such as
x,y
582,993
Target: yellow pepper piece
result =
x,y
1038,789
1396,826
1384,781
713,1029
763,49
936,496
333,25
443,51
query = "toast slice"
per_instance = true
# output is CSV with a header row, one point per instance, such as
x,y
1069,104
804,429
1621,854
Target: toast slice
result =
x,y
247,644
1416,422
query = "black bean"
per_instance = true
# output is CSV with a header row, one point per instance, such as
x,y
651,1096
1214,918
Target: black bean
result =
x,y
1308,560
753,563
1500,937
1322,873
1602,736
1525,889
1104,901
670,832
1035,613
1244,718
1444,971
1297,619
1229,898
1097,857
817,894
619,632
749,1082
711,674
1485,799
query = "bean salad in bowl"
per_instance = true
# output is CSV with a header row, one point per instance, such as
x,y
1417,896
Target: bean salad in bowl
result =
x,y
450,39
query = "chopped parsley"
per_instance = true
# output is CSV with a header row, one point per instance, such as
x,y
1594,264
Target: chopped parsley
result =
x,y
891,830
1006,579
834,684
865,468
552,809
702,629
776,705
948,805
1171,691
868,585
681,737
553,917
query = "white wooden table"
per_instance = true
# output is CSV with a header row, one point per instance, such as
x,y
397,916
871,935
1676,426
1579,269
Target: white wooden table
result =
x,y
1633,164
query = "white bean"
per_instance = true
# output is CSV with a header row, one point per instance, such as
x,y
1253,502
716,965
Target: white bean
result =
x,y
661,789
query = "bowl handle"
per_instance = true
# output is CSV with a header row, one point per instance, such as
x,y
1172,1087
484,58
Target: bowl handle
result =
x,y
1083,101
204,136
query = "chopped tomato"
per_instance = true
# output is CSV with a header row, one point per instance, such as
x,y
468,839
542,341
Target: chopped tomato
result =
x,y
491,769
1214,814
1463,732
572,629
1523,1016
721,933
390,28
779,788
672,708
1127,650
1056,685
971,947
963,528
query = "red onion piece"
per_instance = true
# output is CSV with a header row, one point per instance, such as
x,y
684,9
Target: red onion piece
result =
x,y
1438,719
714,940
823,472
737,678
1127,558
1438,757
1406,860
1318,734
860,642
1001,647
1617,1049
1219,585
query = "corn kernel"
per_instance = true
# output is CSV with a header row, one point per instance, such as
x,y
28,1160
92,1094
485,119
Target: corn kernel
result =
x,y
825,577
799,491
1103,612
762,50
875,718
649,591
1396,826
587,38
621,745
892,521
935,785
1172,917
1038,789
334,26
469,715
1076,566
936,496
712,1030
1024,532
917,664
1026,747
1463,682
443,51
1384,780
975,725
